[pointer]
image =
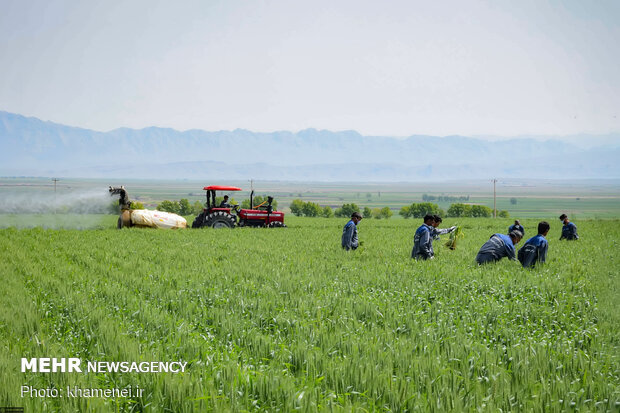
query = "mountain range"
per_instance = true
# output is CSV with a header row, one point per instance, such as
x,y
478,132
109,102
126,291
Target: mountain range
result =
x,y
32,147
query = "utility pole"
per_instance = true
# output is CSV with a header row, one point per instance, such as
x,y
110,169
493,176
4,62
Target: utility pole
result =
x,y
494,200
55,180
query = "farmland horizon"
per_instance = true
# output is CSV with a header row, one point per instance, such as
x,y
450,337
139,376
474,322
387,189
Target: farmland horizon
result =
x,y
581,199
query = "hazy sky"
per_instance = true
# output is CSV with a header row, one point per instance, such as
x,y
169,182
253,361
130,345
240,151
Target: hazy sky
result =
x,y
381,68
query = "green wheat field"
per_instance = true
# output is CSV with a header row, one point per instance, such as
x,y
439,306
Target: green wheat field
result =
x,y
284,320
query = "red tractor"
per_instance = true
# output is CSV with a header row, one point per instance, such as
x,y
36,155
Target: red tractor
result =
x,y
229,216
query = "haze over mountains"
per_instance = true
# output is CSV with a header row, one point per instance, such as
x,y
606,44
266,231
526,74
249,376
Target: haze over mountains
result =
x,y
31,147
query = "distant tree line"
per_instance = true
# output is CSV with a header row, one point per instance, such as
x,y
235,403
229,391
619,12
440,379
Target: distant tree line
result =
x,y
444,198
312,209
418,210
180,207
456,210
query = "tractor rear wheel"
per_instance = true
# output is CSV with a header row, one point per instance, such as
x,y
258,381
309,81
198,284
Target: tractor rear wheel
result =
x,y
276,224
220,219
199,221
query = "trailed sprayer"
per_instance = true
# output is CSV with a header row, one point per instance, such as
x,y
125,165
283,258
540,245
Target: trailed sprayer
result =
x,y
144,218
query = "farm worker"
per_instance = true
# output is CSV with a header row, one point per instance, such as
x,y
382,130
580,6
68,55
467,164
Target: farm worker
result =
x,y
569,230
224,203
535,248
436,231
423,240
498,247
349,232
516,226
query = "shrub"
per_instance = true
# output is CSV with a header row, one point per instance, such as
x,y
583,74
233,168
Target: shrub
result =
x,y
137,205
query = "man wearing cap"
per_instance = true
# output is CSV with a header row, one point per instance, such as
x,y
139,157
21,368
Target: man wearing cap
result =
x,y
516,226
349,232
535,249
569,230
498,247
423,240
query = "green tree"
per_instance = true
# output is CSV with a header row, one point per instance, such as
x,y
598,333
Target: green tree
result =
x,y
481,211
376,213
367,213
297,207
459,210
311,209
386,213
418,210
347,210
405,212
184,207
513,201
327,212
197,207
137,205
169,206
504,214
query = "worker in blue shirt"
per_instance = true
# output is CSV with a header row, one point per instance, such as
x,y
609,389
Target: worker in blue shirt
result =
x,y
349,232
517,226
498,247
569,230
436,232
423,240
535,249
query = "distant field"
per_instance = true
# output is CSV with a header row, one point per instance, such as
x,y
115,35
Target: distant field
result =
x,y
581,200
284,320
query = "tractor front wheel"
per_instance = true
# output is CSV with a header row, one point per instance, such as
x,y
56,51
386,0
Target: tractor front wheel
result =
x,y
220,219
